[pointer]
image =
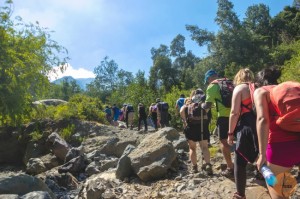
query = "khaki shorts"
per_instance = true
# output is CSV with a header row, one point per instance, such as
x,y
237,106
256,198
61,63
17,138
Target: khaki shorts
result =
x,y
130,117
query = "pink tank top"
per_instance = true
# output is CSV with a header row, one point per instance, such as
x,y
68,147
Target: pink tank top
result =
x,y
276,134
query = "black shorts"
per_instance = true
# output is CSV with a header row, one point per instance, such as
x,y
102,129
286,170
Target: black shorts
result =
x,y
193,132
223,127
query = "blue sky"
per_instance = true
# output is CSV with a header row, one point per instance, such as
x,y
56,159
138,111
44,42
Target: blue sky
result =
x,y
124,30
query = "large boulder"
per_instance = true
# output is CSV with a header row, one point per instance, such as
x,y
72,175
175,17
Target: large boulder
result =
x,y
22,184
154,155
59,146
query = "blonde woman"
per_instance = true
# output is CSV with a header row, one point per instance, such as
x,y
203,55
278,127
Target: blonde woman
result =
x,y
196,132
241,110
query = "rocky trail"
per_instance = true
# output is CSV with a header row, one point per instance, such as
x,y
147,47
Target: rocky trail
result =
x,y
113,162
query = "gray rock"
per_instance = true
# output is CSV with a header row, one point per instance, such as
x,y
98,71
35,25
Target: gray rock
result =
x,y
153,156
9,196
22,184
124,168
181,144
92,168
74,166
36,195
35,166
169,133
107,164
58,146
49,102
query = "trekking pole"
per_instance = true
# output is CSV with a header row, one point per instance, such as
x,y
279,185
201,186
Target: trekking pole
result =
x,y
201,138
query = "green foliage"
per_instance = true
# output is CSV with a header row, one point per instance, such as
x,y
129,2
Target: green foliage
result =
x,y
86,108
291,68
67,132
171,99
27,55
79,106
213,151
36,135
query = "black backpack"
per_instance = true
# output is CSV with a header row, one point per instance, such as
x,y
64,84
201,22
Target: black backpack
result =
x,y
226,90
129,108
164,106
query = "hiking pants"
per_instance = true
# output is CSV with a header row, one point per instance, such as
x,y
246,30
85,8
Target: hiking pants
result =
x,y
144,119
164,119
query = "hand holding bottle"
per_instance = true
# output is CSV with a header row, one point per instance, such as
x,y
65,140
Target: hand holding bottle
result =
x,y
268,175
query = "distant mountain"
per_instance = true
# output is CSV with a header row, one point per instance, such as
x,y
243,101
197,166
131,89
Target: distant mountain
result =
x,y
82,82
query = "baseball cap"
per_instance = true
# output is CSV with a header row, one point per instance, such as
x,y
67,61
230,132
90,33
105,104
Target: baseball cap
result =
x,y
208,74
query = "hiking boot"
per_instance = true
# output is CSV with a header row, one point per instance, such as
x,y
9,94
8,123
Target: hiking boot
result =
x,y
228,173
207,168
236,195
195,168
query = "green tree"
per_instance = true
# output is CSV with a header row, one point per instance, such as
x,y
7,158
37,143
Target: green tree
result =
x,y
27,55
177,46
291,67
286,26
109,78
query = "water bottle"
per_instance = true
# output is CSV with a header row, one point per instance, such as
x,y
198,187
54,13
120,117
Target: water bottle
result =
x,y
268,175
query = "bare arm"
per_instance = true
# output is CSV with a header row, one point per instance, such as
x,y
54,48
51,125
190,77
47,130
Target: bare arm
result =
x,y
235,108
182,115
234,112
261,99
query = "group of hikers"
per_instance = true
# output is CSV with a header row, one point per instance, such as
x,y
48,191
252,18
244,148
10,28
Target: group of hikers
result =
x,y
159,115
260,115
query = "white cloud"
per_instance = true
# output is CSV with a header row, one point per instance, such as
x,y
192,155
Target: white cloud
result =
x,y
70,71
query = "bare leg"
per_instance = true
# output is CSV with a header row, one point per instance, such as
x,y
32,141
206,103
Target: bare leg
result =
x,y
277,170
192,154
205,151
225,148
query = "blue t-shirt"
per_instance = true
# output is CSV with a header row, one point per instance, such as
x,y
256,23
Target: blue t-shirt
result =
x,y
180,102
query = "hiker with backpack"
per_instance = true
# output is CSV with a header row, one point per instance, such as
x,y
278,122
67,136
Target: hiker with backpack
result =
x,y
179,103
209,114
242,125
116,114
162,113
129,115
278,129
219,93
108,114
195,123
142,116
153,114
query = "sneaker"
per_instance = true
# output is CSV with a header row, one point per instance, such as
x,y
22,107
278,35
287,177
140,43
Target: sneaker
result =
x,y
236,195
195,169
207,168
228,173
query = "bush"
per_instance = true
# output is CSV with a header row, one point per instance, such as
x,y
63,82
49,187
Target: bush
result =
x,y
79,106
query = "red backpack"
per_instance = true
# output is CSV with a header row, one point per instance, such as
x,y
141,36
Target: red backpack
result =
x,y
285,97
